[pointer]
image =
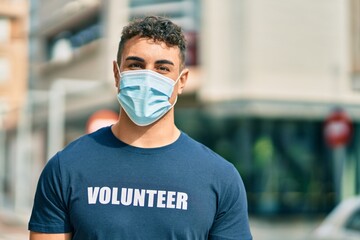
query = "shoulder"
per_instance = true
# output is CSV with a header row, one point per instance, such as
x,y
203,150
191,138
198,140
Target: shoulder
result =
x,y
208,159
99,137
83,148
88,142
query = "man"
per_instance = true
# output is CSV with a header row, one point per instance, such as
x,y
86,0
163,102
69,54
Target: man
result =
x,y
141,178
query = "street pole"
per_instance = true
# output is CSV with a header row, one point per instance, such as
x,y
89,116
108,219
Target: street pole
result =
x,y
58,92
339,163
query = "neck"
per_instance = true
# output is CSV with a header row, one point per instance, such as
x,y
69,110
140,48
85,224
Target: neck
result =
x,y
161,133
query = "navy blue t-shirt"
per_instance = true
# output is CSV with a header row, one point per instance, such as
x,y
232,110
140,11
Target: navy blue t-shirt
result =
x,y
101,188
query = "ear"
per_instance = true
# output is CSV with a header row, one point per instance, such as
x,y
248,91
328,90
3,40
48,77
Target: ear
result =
x,y
116,73
183,80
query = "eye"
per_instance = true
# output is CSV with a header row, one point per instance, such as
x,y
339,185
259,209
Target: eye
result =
x,y
163,69
135,66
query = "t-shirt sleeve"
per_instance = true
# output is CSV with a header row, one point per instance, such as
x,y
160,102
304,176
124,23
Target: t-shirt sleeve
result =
x,y
231,221
49,214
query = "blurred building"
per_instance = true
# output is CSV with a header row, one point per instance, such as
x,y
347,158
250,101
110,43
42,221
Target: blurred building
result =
x,y
13,87
13,58
72,50
273,71
264,77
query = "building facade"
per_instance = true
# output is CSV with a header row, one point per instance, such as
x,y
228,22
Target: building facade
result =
x,y
273,73
13,90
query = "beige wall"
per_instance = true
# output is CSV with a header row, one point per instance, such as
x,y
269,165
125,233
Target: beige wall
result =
x,y
13,89
283,50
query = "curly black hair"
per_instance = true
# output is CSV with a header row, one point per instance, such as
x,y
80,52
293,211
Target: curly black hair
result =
x,y
156,28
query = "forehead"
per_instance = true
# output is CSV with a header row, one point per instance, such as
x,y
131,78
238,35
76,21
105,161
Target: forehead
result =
x,y
150,50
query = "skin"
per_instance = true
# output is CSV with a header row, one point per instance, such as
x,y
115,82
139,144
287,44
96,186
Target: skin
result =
x,y
143,53
45,236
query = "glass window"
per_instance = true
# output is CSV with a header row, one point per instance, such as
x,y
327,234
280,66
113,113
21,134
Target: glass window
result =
x,y
4,69
61,50
62,45
285,164
5,29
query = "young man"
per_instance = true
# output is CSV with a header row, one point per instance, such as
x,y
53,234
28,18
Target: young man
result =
x,y
141,178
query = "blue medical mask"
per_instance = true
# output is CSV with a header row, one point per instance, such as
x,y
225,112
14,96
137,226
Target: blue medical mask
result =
x,y
144,95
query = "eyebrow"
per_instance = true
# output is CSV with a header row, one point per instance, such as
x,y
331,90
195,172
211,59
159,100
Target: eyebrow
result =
x,y
139,59
134,58
164,61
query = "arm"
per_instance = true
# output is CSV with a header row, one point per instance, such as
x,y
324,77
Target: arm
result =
x,y
231,221
50,213
46,236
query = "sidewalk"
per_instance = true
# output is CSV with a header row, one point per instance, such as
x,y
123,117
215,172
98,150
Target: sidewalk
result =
x,y
283,228
11,229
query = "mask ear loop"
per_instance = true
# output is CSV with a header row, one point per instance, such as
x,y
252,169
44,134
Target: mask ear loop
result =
x,y
172,105
117,66
179,77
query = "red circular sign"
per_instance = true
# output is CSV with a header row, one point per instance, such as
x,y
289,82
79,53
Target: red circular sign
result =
x,y
101,119
338,129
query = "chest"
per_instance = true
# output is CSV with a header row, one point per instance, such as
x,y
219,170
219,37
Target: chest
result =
x,y
128,200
